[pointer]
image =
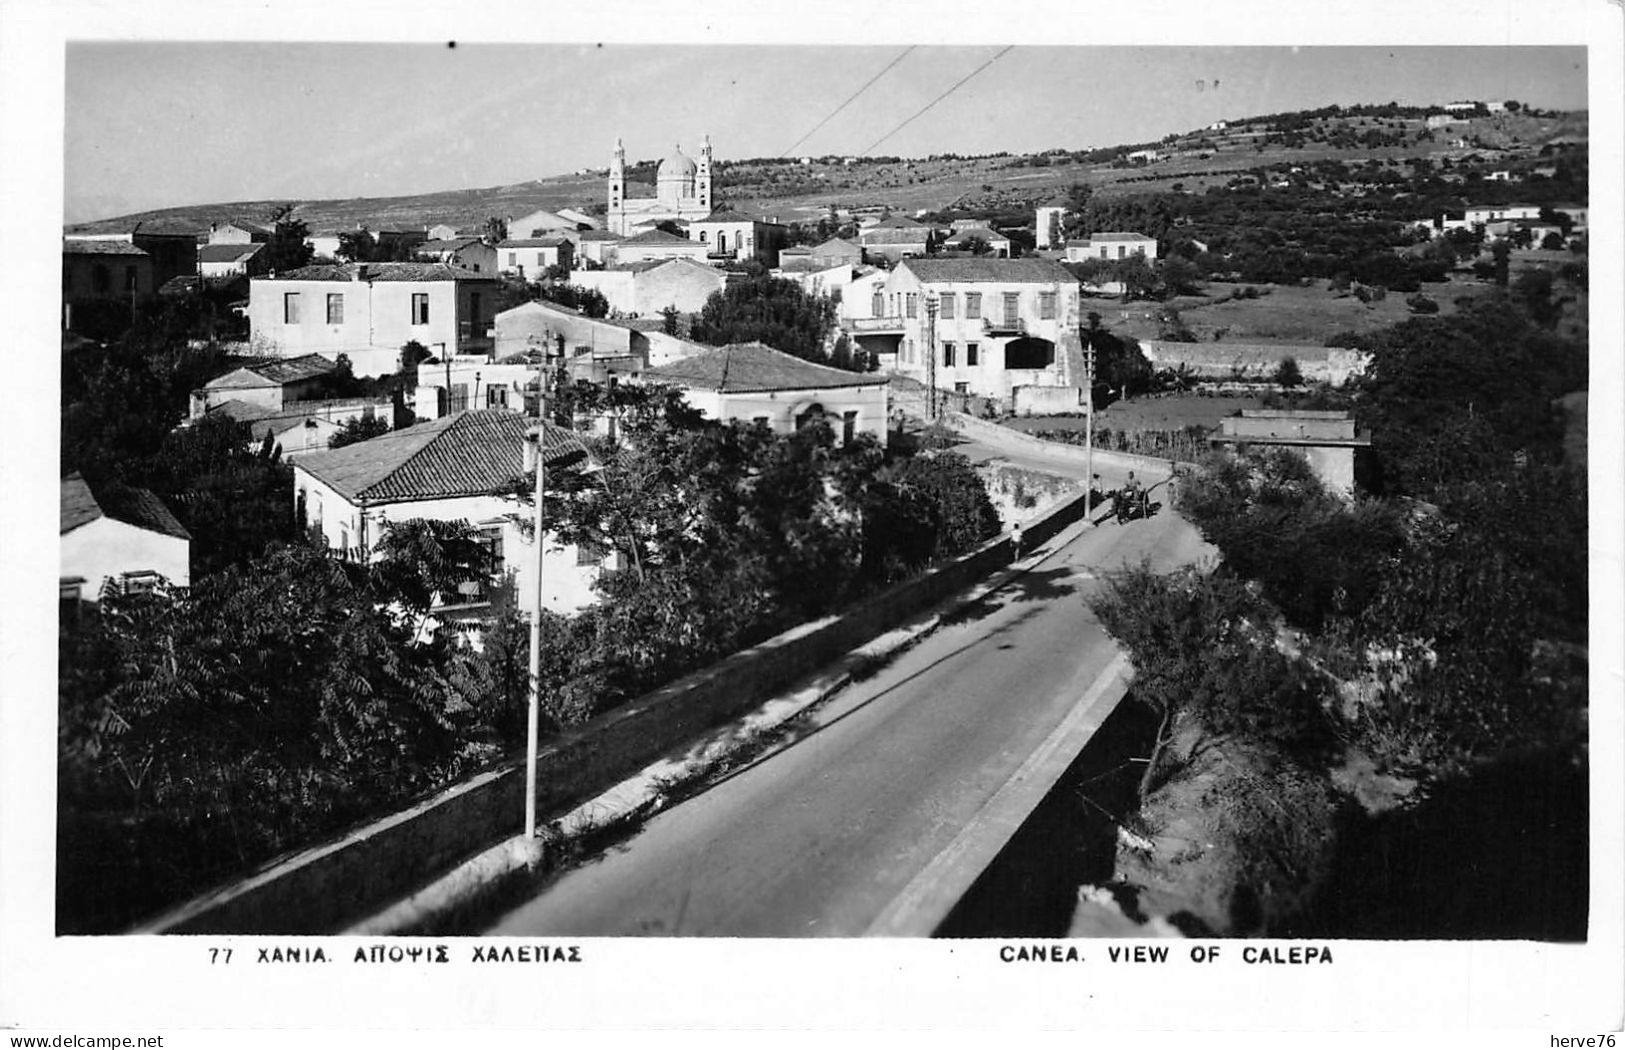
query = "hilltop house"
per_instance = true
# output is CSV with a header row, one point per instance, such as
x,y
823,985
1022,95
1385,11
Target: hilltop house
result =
x,y
448,470
752,382
368,311
120,538
1006,328
963,240
238,232
1111,246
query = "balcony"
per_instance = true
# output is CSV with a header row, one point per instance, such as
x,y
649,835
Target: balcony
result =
x,y
1006,326
875,325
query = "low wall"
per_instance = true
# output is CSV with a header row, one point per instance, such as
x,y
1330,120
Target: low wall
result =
x,y
1317,364
1124,461
320,889
1045,400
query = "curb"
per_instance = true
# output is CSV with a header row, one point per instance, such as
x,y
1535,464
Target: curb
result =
x,y
480,881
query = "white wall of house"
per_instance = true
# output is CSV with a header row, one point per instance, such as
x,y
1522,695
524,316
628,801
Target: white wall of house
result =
x,y
567,586
480,383
781,408
627,252
969,358
309,435
107,548
532,262
1048,217
368,320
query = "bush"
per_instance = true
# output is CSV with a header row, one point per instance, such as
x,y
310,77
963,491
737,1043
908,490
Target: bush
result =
x,y
1421,304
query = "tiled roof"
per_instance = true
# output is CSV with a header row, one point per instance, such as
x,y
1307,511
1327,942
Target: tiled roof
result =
x,y
892,235
1003,271
380,271
464,454
137,507
76,247
1119,237
750,367
976,231
598,235
225,253
837,244
275,372
657,237
241,411
534,242
898,222
453,245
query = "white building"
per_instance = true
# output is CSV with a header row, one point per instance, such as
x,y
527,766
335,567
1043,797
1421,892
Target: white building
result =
x,y
1049,223
751,382
125,539
1002,325
447,470
1111,246
368,311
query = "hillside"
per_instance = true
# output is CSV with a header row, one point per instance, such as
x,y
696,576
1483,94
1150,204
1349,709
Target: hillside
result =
x,y
797,188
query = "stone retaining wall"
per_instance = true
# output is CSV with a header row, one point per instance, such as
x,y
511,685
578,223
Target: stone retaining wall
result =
x,y
320,890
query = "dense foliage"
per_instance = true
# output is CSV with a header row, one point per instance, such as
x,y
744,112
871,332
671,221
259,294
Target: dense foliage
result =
x,y
770,310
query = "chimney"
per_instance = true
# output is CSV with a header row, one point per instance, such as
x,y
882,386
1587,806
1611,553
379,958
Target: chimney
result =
x,y
362,272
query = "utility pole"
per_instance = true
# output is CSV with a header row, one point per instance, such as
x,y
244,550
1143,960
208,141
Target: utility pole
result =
x,y
1089,422
536,445
931,303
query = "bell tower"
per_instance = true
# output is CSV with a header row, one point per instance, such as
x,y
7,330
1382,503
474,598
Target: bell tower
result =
x,y
702,178
617,189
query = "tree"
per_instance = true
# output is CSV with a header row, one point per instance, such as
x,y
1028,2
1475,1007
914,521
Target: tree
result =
x,y
353,430
590,301
495,230
770,310
1138,278
1179,276
1287,373
977,245
357,246
286,250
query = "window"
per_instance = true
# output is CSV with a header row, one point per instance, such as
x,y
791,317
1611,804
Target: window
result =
x,y
704,234
1012,307
948,355
290,307
1121,251
849,427
908,351
335,307
877,305
970,354
420,307
459,397
144,582
496,397
513,258
911,304
973,305
590,554
948,301
1046,305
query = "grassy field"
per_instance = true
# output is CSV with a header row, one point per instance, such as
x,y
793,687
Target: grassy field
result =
x,y
1304,315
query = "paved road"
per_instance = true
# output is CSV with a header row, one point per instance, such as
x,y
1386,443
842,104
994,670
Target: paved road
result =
x,y
818,838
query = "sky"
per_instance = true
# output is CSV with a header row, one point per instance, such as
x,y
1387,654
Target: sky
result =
x,y
152,124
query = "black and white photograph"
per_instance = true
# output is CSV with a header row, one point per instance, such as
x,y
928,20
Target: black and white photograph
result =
x,y
1050,519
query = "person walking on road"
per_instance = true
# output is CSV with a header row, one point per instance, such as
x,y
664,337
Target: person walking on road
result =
x,y
1015,542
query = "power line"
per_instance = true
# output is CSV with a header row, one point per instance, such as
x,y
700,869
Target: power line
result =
x,y
934,101
849,101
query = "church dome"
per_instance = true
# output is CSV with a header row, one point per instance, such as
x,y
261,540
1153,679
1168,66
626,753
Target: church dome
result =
x,y
677,166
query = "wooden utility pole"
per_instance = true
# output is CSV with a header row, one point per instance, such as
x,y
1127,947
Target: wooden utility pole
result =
x,y
931,304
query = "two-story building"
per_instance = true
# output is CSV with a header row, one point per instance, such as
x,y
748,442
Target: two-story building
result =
x,y
895,239
751,382
1005,328
448,469
368,311
531,257
732,236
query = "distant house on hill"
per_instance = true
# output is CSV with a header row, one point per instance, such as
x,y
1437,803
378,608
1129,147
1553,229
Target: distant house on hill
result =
x,y
119,538
1111,246
227,258
964,239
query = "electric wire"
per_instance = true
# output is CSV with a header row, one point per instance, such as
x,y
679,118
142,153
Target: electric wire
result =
x,y
848,102
960,83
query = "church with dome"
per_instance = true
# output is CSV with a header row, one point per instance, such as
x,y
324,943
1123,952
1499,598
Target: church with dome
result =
x,y
682,192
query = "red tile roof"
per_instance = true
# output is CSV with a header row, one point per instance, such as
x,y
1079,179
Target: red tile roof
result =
x,y
137,507
751,367
464,454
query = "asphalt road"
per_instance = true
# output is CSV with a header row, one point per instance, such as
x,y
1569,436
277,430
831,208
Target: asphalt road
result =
x,y
820,836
